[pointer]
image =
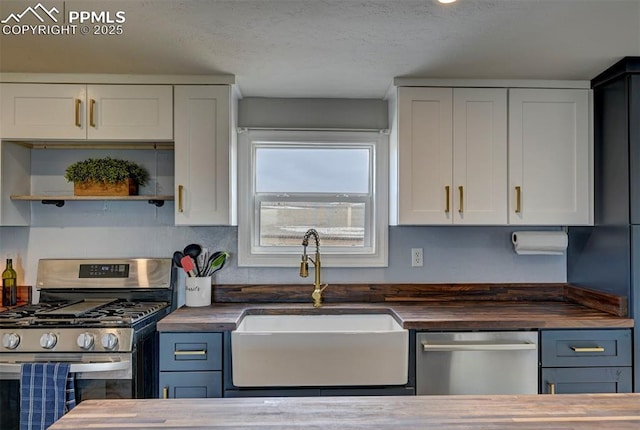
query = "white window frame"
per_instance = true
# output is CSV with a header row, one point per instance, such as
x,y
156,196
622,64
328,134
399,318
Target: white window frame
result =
x,y
250,255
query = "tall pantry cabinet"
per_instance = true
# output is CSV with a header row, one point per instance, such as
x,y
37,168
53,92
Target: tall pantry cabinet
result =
x,y
606,257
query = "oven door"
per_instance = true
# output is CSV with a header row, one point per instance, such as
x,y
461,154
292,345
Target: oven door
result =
x,y
97,376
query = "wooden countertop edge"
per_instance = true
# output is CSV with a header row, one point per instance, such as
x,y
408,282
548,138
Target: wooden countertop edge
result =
x,y
499,412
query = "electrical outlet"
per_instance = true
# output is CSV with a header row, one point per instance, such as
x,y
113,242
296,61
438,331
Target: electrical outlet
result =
x,y
416,257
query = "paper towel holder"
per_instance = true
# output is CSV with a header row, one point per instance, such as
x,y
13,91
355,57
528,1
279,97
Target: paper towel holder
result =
x,y
539,242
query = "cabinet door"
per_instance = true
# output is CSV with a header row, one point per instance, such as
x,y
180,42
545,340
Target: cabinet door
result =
x,y
550,171
585,380
130,112
479,156
425,155
182,385
42,111
202,142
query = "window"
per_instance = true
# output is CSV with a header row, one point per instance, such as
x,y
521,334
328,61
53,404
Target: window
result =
x,y
291,181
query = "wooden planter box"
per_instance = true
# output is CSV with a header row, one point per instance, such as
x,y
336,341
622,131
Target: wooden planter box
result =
x,y
125,188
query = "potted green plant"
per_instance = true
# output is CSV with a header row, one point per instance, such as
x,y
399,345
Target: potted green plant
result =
x,y
106,177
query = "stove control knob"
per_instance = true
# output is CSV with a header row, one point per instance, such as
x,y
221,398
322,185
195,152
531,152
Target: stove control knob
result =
x,y
10,340
109,341
85,340
48,340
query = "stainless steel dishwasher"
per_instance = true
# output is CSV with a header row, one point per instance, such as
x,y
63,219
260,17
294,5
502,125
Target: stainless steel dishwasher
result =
x,y
477,363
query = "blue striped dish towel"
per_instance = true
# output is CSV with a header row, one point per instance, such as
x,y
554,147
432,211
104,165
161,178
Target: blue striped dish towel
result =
x,y
46,393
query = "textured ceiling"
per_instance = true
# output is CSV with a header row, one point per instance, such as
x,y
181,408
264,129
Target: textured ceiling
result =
x,y
332,48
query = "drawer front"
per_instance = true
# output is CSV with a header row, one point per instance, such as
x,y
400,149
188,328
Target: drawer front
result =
x,y
190,385
577,348
190,351
585,380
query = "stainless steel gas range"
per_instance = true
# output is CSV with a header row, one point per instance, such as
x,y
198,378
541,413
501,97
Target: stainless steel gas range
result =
x,y
100,316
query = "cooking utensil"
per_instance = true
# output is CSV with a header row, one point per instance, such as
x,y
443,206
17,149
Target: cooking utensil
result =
x,y
187,265
217,262
202,260
212,257
177,256
193,250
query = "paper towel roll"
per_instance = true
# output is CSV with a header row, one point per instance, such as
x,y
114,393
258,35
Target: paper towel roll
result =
x,y
539,242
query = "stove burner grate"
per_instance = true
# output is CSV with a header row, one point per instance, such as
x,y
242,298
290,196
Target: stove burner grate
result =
x,y
116,313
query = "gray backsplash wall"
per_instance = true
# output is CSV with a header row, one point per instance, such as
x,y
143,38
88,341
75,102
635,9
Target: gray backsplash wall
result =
x,y
451,254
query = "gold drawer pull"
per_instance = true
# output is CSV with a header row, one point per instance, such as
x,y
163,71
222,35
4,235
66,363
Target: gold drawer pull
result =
x,y
587,349
518,200
461,208
198,352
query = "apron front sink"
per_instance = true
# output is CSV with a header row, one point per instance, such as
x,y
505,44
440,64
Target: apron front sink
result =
x,y
319,350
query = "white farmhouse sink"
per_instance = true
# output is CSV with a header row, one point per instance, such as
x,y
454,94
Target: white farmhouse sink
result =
x,y
319,350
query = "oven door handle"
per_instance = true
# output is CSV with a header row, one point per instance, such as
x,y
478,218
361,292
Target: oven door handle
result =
x,y
108,366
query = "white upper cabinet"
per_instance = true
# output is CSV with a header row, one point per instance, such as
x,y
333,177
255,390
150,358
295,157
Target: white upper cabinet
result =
x,y
452,159
425,155
43,111
130,112
550,157
202,154
480,155
78,112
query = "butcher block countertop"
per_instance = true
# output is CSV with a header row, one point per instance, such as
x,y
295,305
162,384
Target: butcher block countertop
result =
x,y
415,306
446,315
496,412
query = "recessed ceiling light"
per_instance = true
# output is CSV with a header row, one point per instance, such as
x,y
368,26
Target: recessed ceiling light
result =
x,y
446,1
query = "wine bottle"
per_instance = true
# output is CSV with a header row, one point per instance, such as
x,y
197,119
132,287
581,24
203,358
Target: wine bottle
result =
x,y
9,285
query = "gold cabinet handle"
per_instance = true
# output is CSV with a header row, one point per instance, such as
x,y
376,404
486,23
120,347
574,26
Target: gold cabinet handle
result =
x,y
518,199
197,352
180,192
92,104
461,208
78,104
552,388
165,392
587,349
448,199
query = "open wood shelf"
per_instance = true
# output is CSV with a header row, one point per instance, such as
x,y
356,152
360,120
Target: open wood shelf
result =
x,y
58,200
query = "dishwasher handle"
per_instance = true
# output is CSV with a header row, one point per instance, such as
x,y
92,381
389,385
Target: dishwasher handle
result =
x,y
478,346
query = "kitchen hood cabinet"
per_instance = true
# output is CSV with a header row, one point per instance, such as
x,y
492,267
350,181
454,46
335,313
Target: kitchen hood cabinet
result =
x,y
86,112
202,154
452,155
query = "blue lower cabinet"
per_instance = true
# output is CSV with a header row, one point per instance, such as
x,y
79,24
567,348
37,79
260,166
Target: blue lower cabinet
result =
x,y
190,365
585,361
182,385
586,380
